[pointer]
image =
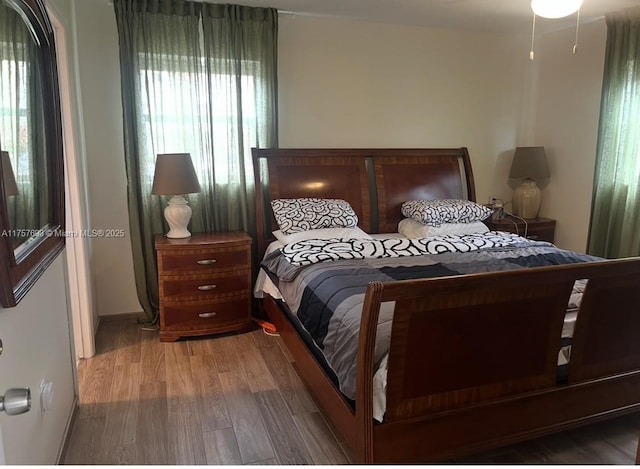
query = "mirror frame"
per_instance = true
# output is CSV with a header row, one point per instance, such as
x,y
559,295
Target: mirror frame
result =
x,y
20,268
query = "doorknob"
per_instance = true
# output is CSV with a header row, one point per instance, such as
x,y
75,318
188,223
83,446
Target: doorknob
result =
x,y
16,401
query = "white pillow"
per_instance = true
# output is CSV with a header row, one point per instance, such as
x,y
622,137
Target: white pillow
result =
x,y
304,214
322,233
416,230
436,212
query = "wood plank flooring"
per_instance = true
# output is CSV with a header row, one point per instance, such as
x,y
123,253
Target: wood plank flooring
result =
x,y
237,399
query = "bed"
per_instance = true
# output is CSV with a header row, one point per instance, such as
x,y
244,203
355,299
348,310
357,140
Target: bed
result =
x,y
446,405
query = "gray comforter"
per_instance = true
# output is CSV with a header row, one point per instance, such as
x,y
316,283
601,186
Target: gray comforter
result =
x,y
327,297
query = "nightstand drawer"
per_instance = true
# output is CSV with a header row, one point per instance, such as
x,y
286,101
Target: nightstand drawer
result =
x,y
210,315
203,260
204,283
200,287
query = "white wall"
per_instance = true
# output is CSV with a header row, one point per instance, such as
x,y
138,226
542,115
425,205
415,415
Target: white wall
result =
x,y
362,84
350,84
35,335
356,84
99,67
567,125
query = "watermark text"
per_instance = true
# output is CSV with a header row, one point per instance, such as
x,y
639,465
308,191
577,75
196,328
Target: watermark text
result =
x,y
46,232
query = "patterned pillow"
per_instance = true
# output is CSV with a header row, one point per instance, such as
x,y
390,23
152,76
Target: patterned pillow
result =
x,y
412,229
322,233
437,212
296,215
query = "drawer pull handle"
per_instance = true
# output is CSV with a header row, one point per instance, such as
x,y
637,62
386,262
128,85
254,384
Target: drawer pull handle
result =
x,y
206,261
206,287
207,315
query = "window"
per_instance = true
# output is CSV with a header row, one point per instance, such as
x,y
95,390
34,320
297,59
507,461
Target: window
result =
x,y
201,122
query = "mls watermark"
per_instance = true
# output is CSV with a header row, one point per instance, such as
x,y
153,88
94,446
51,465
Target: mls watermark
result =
x,y
46,232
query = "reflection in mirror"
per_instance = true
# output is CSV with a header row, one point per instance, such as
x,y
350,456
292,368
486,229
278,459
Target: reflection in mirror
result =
x,y
9,180
22,128
32,215
8,177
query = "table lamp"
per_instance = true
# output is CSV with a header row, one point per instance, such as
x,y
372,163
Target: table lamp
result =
x,y
174,175
8,178
529,164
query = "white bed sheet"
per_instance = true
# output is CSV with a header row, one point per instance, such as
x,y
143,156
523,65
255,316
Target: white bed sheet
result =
x,y
263,282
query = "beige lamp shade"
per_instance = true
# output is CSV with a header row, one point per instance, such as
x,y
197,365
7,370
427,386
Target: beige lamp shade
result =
x,y
8,177
529,164
176,176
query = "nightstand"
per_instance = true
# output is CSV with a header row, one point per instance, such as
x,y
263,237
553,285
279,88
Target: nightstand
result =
x,y
540,229
204,283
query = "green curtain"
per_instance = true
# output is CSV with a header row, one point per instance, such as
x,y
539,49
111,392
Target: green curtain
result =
x,y
615,214
198,79
21,123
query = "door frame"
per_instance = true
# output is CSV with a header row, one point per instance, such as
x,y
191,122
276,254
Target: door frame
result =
x,y
79,280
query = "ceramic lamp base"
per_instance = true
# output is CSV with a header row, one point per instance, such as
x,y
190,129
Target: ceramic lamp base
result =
x,y
526,199
177,213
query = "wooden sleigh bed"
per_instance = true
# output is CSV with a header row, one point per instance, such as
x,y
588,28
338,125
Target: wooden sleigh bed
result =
x,y
441,406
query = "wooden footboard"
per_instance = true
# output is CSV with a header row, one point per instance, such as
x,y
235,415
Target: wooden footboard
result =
x,y
473,359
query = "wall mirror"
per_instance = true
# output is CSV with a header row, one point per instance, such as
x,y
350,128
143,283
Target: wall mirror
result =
x,y
32,186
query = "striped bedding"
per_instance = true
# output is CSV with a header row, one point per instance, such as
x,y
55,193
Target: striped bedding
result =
x,y
327,295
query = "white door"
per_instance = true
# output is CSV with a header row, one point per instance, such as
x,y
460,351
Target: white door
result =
x,y
37,348
3,461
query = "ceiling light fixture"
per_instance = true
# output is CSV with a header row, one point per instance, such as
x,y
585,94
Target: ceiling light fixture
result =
x,y
554,9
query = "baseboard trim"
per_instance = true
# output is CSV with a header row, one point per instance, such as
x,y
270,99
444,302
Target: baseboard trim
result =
x,y
122,317
67,431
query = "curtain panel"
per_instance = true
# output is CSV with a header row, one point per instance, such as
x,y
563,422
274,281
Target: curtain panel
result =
x,y
615,213
21,115
197,78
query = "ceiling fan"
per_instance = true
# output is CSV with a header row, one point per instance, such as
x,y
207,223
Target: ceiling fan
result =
x,y
554,9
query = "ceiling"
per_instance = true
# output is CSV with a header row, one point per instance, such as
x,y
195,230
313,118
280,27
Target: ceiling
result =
x,y
484,15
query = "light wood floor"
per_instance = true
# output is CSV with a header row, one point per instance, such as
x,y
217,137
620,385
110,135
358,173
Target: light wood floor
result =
x,y
237,399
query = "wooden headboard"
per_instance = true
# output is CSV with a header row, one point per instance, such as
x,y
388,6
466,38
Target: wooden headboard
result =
x,y
374,181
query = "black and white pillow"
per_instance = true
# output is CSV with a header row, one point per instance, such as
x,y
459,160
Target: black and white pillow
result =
x,y
296,215
413,229
437,212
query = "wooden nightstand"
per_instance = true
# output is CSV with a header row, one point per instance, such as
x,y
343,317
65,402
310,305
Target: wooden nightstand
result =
x,y
541,229
204,283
